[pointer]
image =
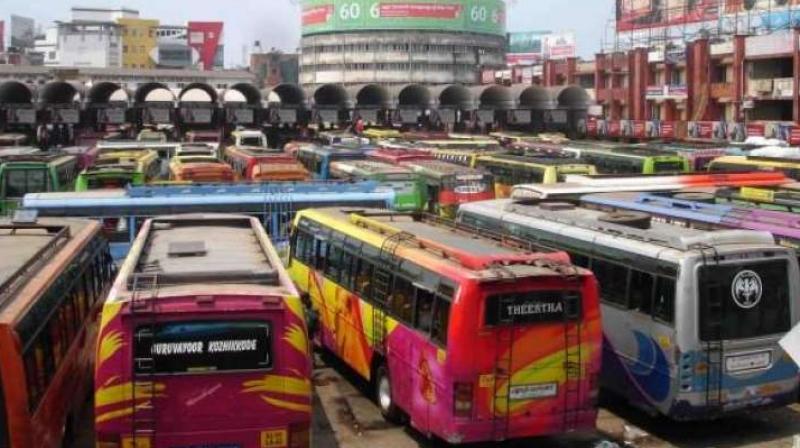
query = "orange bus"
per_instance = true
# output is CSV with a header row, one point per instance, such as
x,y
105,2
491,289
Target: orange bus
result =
x,y
53,276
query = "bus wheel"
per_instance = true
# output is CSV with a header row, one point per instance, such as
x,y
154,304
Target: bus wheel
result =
x,y
383,395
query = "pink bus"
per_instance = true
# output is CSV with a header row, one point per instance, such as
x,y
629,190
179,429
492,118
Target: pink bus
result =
x,y
203,341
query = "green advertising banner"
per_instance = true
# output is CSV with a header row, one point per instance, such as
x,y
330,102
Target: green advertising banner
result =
x,y
477,16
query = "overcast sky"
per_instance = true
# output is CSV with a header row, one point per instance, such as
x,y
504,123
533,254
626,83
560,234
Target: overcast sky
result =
x,y
276,22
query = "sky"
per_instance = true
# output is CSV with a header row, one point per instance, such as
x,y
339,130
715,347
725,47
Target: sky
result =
x,y
275,23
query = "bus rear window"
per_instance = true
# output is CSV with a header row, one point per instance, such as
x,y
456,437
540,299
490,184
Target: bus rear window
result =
x,y
21,182
520,308
99,183
203,347
743,301
668,167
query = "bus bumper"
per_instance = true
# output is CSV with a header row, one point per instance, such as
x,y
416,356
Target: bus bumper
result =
x,y
685,410
520,427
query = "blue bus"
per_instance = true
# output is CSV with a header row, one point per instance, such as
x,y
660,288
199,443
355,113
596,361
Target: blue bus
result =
x,y
318,159
123,211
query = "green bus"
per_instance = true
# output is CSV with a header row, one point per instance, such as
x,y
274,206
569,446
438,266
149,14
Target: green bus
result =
x,y
411,192
116,170
34,173
624,159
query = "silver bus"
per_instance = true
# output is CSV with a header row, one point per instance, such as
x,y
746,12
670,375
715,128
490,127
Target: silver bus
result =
x,y
691,318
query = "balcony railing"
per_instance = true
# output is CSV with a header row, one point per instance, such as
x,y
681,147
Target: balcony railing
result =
x,y
721,90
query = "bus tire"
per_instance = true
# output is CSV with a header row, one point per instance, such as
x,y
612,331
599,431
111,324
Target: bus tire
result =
x,y
383,395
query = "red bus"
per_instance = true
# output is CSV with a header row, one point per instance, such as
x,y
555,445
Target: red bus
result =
x,y
398,156
245,160
54,274
203,341
473,336
450,185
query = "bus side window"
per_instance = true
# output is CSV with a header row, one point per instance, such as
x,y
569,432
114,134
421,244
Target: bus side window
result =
x,y
320,253
401,300
333,267
640,292
424,311
347,270
363,275
664,302
613,280
579,260
441,320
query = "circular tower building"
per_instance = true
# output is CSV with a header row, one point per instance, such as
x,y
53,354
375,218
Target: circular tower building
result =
x,y
400,41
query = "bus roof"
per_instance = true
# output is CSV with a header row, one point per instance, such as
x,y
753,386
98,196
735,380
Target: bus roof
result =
x,y
621,150
187,250
43,157
653,240
758,161
18,151
439,168
530,160
368,167
27,248
479,253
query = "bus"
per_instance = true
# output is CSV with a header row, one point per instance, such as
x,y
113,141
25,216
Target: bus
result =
x,y
398,156
54,274
86,155
202,305
213,138
783,198
410,190
209,169
151,135
576,186
463,157
318,159
18,151
122,211
629,159
249,138
509,170
280,171
197,149
484,144
36,173
12,140
118,169
699,156
784,226
471,336
789,167
381,134
691,318
450,185
244,160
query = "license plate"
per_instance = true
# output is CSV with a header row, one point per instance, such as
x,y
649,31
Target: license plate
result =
x,y
533,391
743,363
274,439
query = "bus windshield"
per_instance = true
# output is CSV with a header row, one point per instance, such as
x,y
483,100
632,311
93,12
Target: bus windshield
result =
x,y
99,183
251,141
201,347
22,181
675,166
753,300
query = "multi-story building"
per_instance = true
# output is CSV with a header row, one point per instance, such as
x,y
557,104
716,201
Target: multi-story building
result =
x,y
358,42
139,42
86,43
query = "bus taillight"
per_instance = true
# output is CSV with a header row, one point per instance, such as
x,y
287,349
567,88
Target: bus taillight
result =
x,y
299,435
462,400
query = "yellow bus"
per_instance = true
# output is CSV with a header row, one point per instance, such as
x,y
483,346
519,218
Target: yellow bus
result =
x,y
463,156
509,170
789,167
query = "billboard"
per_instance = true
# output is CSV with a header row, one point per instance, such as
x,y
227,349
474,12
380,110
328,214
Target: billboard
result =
x,y
559,46
533,47
206,38
22,32
525,48
477,16
643,14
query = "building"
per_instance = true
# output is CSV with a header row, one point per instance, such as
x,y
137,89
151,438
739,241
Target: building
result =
x,y
358,42
139,42
98,37
275,67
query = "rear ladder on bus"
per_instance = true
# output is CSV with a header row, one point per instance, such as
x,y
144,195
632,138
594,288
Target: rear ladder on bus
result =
x,y
573,362
382,287
144,417
714,345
